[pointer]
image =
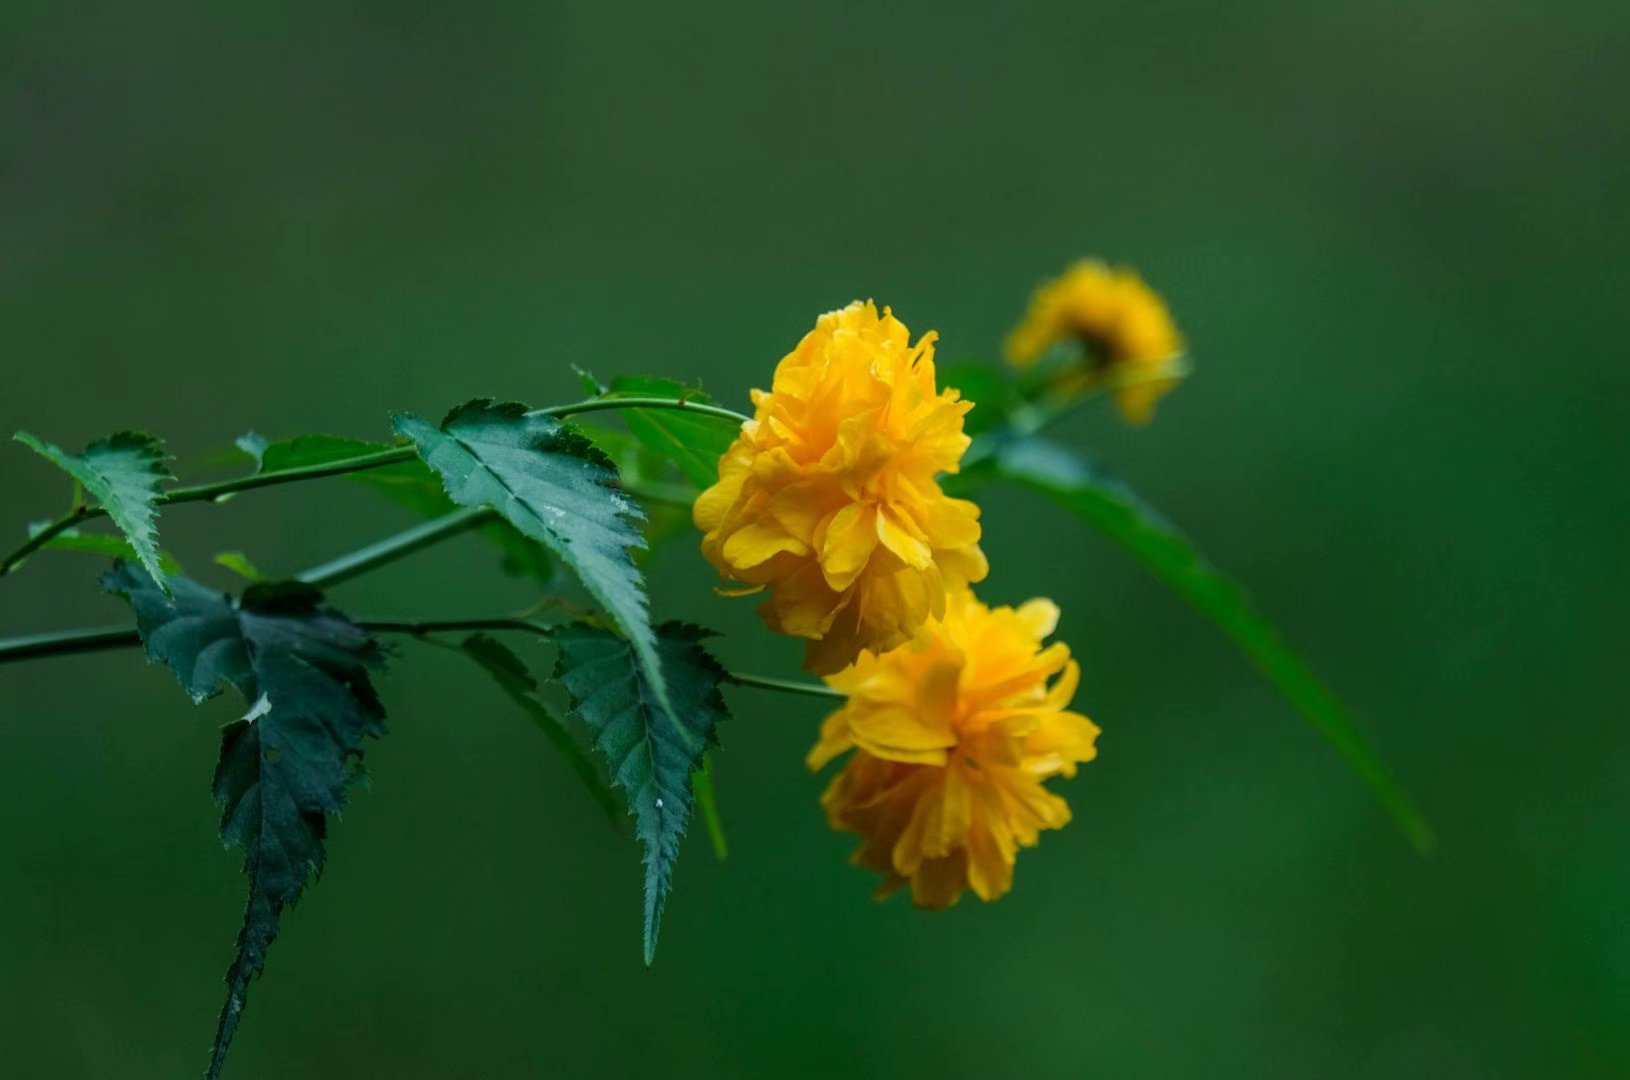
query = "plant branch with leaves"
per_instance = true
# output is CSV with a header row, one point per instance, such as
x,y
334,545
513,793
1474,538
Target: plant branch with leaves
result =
x,y
845,500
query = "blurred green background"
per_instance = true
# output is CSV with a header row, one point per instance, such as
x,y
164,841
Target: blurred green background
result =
x,y
1396,235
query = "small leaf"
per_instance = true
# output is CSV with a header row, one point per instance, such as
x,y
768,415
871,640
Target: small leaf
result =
x,y
124,473
585,378
653,752
115,547
240,564
1114,510
707,801
693,441
513,678
287,764
554,486
304,451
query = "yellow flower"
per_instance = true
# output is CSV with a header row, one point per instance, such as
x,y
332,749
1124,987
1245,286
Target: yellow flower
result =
x,y
1127,332
953,734
828,497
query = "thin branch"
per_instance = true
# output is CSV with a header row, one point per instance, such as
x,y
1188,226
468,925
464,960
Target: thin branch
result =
x,y
222,489
786,686
98,639
46,534
359,562
65,642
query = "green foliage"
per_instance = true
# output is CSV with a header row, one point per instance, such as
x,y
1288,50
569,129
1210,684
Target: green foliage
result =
x,y
112,547
652,751
287,764
1114,510
693,441
547,494
554,486
124,473
515,680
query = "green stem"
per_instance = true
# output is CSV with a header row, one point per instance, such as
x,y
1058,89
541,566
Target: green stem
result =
x,y
101,638
222,489
685,404
359,562
43,537
786,686
65,642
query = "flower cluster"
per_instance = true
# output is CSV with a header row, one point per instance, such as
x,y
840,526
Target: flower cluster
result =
x,y
1128,339
829,499
953,735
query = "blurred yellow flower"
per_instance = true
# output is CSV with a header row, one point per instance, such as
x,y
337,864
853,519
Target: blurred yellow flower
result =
x,y
1129,337
828,498
953,734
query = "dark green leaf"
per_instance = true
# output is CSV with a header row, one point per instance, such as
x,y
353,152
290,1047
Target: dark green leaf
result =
x,y
693,441
652,751
124,473
1114,510
114,547
553,485
286,766
512,676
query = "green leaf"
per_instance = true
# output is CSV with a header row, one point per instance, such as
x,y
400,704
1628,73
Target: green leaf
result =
x,y
554,486
124,473
240,564
1114,510
286,766
653,752
115,547
510,673
707,801
693,441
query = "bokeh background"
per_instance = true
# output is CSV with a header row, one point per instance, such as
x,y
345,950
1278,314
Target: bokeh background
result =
x,y
1396,234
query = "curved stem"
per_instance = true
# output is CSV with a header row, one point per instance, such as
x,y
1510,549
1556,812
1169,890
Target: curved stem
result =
x,y
44,536
65,642
600,404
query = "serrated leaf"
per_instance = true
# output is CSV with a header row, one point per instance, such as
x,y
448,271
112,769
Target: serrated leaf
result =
x,y
124,473
511,674
1114,510
114,547
555,487
286,766
652,751
693,441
